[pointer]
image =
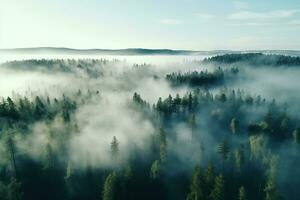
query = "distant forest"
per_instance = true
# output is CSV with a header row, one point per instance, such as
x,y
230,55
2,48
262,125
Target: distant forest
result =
x,y
255,59
209,143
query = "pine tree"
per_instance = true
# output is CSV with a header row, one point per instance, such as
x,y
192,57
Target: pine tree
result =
x,y
196,188
12,109
14,191
209,178
155,170
114,148
163,152
162,145
223,150
239,158
39,108
271,192
69,178
234,125
218,191
242,193
50,157
192,124
11,151
296,136
109,187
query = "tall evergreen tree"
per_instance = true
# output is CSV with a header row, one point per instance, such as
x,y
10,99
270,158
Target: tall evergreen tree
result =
x,y
11,150
271,192
234,125
242,193
109,187
197,185
223,150
162,145
114,148
192,124
209,178
239,158
14,190
155,170
218,192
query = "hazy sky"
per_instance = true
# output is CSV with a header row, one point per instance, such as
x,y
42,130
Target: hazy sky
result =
x,y
177,24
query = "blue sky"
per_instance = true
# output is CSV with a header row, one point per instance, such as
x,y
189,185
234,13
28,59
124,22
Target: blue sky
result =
x,y
176,24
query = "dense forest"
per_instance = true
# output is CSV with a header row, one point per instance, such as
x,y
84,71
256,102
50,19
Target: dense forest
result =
x,y
256,59
122,131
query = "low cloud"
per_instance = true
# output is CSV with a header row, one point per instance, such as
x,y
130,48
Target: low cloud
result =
x,y
270,15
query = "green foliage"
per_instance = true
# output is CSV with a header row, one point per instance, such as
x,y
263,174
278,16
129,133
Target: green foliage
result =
x,y
209,178
296,136
139,101
50,157
239,158
234,125
255,129
155,170
242,193
255,59
109,187
195,78
114,148
258,144
223,150
218,192
196,186
271,192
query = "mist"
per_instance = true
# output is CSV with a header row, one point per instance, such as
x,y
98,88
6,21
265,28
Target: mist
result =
x,y
92,100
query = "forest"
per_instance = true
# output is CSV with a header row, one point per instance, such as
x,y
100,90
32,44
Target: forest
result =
x,y
110,129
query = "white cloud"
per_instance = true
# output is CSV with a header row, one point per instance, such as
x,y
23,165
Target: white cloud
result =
x,y
170,21
275,14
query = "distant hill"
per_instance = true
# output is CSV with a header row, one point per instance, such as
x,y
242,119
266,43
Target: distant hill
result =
x,y
68,51
131,51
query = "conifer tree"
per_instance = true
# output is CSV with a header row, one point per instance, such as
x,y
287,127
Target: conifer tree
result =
x,y
114,148
234,125
223,150
14,190
242,193
239,158
209,178
196,187
155,170
218,192
271,192
109,187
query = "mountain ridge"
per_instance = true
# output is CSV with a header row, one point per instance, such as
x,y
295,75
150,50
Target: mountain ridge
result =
x,y
133,51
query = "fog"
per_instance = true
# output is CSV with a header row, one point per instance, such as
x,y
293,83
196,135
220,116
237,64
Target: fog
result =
x,y
109,112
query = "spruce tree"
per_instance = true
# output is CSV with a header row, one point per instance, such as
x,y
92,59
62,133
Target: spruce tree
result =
x,y
242,193
239,158
196,188
218,192
114,148
109,187
209,178
271,192
234,125
155,170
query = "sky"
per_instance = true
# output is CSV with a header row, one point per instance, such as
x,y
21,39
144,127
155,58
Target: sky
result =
x,y
173,24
